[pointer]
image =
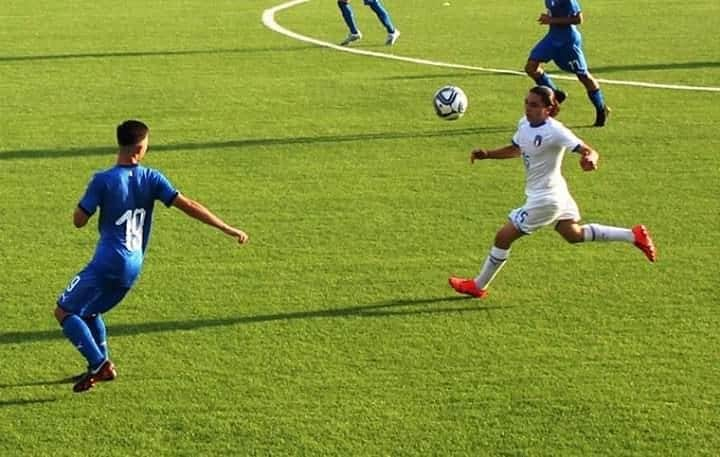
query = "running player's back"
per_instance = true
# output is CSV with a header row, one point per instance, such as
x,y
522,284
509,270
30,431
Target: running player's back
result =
x,y
126,196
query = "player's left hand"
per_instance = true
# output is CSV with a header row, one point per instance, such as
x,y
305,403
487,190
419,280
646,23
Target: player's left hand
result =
x,y
544,19
589,162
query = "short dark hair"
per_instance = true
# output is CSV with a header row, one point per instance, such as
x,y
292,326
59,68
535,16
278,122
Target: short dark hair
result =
x,y
131,133
548,97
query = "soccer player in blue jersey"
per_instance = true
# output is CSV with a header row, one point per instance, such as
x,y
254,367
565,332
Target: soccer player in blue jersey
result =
x,y
125,194
377,6
563,45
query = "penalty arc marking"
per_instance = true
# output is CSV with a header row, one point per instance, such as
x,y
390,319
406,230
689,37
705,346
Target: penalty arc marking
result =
x,y
268,19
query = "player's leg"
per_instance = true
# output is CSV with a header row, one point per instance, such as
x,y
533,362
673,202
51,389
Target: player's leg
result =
x,y
349,18
86,297
70,304
573,60
108,298
103,301
595,94
384,17
639,236
498,255
543,51
96,324
76,330
499,252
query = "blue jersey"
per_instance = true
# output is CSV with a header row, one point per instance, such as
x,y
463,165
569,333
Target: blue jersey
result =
x,y
563,8
126,196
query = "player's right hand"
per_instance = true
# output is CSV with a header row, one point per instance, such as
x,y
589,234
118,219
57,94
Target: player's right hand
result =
x,y
241,236
544,19
478,154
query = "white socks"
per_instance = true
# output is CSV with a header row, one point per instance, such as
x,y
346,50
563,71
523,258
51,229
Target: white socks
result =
x,y
597,232
591,232
491,267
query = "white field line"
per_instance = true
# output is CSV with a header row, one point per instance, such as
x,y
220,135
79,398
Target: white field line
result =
x,y
268,19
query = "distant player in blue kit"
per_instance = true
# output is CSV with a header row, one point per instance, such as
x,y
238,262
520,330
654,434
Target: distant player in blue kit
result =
x,y
125,195
376,5
563,45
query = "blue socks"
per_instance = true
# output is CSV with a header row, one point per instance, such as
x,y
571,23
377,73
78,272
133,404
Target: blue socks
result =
x,y
544,80
595,96
348,16
77,331
597,99
99,333
382,14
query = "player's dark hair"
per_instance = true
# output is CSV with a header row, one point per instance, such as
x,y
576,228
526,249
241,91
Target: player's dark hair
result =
x,y
548,97
131,133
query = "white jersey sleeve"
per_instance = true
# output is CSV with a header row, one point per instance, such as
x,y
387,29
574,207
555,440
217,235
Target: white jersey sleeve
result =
x,y
565,138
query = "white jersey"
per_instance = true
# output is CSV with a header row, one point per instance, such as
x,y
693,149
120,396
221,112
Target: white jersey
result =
x,y
542,149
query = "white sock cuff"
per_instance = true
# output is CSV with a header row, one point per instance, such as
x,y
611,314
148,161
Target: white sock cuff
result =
x,y
499,254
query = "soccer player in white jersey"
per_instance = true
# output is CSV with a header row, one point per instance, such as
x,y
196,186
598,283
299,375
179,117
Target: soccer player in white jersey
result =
x,y
541,141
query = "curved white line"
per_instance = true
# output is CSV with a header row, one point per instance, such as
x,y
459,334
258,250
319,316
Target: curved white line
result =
x,y
268,19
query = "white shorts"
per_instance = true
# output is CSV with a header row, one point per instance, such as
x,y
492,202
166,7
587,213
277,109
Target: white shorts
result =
x,y
536,214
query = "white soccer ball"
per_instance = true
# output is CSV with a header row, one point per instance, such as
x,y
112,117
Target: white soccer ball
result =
x,y
450,102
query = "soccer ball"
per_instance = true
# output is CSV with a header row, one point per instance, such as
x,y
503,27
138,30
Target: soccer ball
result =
x,y
450,102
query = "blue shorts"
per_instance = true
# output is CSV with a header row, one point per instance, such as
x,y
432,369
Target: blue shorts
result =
x,y
568,56
89,293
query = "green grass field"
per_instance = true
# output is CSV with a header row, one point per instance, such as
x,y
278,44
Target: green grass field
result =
x,y
333,332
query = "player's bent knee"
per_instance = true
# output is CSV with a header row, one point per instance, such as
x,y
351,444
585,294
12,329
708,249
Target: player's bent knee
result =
x,y
60,314
532,69
573,240
570,231
573,237
588,81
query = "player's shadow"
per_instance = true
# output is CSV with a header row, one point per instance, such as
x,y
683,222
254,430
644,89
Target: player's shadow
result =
x,y
400,307
250,142
164,53
656,66
41,382
21,402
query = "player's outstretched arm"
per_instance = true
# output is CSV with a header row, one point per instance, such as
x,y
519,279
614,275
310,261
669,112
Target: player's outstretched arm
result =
x,y
199,212
507,152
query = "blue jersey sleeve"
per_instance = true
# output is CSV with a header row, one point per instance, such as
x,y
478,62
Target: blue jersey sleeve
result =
x,y
574,8
163,190
563,8
93,196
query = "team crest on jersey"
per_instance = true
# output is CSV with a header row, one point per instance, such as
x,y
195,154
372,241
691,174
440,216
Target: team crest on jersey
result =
x,y
537,141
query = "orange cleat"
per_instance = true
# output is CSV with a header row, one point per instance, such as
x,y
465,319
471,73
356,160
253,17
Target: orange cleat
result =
x,y
467,287
644,242
106,372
